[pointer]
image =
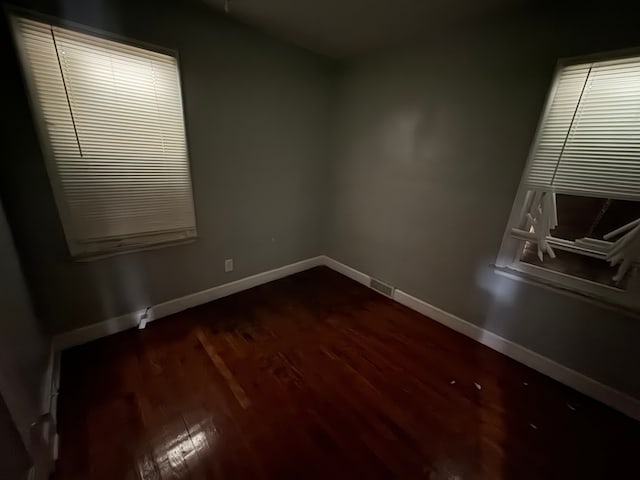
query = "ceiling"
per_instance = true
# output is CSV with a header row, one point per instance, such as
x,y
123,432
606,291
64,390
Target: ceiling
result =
x,y
342,28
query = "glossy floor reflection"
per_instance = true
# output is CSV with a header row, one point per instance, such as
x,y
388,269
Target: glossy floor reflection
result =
x,y
176,448
315,376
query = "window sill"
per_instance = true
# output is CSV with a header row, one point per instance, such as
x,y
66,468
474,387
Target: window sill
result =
x,y
611,298
125,251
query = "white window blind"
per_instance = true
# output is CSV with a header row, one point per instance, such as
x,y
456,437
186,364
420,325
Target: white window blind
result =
x,y
589,141
113,126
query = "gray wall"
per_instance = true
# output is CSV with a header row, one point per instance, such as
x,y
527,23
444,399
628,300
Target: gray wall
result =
x,y
426,147
257,113
429,149
14,461
23,358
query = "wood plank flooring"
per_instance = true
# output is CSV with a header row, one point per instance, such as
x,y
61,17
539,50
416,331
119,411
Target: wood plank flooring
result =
x,y
316,376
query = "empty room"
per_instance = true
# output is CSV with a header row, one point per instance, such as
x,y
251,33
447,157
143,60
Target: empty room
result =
x,y
301,239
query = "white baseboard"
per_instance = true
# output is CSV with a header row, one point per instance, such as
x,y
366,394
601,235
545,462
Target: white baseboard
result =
x,y
113,325
49,403
352,273
199,298
53,402
588,386
614,398
43,453
47,387
576,380
83,335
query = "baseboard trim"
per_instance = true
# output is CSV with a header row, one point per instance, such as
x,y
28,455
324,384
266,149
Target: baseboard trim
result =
x,y
347,271
50,388
113,325
43,455
616,399
86,334
199,298
53,404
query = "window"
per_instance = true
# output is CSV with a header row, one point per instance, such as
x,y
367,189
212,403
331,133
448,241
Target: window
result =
x,y
576,219
112,129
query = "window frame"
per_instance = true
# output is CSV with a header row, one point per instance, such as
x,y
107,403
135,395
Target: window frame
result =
x,y
508,259
77,250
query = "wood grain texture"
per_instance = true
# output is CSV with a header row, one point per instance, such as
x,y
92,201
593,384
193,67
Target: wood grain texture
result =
x,y
316,376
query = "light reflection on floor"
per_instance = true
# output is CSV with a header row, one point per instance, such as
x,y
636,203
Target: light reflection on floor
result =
x,y
184,451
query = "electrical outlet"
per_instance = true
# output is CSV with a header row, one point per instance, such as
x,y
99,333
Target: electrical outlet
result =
x,y
228,265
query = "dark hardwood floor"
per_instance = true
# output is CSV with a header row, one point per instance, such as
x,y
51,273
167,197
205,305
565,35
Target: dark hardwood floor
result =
x,y
316,376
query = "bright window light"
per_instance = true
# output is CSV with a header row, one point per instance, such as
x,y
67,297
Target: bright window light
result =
x,y
112,129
